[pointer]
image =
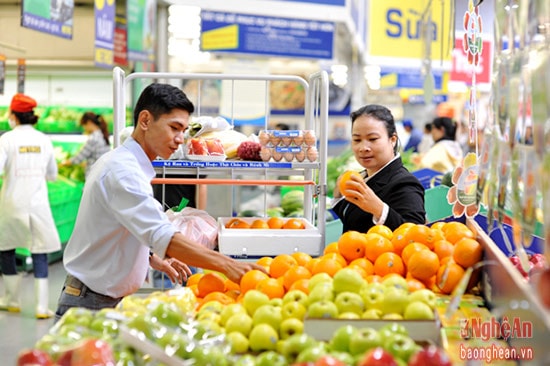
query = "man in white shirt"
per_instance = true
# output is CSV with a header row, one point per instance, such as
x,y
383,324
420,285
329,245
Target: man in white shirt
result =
x,y
120,224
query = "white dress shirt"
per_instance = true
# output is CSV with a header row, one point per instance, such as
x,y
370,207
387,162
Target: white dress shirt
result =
x,y
118,222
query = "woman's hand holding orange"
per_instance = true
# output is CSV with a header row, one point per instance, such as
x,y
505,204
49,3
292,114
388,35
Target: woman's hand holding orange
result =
x,y
362,196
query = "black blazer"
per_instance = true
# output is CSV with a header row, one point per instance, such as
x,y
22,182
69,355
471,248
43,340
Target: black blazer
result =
x,y
399,189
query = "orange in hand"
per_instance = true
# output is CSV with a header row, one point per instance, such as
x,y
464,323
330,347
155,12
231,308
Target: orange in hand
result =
x,y
345,177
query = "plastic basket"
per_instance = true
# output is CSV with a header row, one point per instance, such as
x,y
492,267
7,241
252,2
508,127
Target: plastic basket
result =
x,y
428,177
436,205
333,231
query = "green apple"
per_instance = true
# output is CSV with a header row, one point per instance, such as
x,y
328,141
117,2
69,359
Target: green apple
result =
x,y
167,314
238,341
396,281
208,356
341,337
268,314
347,279
276,301
207,315
349,315
211,306
373,295
363,340
230,310
322,309
246,360
395,300
425,295
345,357
323,291
392,328
241,322
145,324
263,337
253,299
312,354
205,329
321,277
349,302
295,344
295,296
290,326
418,310
271,358
392,316
76,315
400,346
294,310
372,314
105,326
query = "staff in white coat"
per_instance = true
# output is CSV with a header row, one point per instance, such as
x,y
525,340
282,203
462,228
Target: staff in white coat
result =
x,y
27,161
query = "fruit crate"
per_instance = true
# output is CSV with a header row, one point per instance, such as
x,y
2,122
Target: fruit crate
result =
x,y
256,243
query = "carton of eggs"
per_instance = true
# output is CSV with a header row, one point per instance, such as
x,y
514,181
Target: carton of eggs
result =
x,y
288,145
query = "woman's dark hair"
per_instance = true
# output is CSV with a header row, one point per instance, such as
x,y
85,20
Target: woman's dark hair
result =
x,y
26,118
99,121
428,126
382,114
447,125
160,99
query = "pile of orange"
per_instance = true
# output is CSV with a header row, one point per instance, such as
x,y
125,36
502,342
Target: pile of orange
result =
x,y
432,257
271,223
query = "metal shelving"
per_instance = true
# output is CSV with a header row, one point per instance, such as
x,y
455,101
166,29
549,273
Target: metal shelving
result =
x,y
239,172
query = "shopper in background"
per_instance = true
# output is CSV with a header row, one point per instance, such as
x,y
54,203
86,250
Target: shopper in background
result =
x,y
389,194
427,139
446,153
415,136
120,224
27,161
97,143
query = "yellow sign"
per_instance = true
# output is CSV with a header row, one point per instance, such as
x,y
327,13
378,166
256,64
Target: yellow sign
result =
x,y
221,38
395,29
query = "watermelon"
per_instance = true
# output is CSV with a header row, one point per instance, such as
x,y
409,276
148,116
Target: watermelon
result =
x,y
292,201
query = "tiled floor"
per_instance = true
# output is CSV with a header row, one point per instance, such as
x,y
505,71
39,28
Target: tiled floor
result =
x,y
18,331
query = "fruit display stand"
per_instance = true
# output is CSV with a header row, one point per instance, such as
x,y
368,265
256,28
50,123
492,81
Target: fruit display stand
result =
x,y
236,173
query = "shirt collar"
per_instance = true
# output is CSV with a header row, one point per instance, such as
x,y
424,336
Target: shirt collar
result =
x,y
144,162
367,177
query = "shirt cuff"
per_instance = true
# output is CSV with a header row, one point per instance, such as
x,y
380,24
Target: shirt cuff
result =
x,y
382,219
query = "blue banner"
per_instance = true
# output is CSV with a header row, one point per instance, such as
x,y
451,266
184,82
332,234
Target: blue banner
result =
x,y
260,35
104,33
407,78
55,17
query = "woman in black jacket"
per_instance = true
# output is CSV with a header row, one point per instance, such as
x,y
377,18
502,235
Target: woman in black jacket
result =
x,y
388,194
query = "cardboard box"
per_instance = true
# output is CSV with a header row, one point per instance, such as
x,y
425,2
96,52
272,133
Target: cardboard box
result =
x,y
255,243
419,330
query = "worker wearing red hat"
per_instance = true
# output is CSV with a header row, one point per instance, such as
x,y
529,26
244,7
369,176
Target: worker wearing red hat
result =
x,y
27,161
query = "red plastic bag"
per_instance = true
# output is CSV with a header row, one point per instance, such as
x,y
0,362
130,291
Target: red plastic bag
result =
x,y
196,225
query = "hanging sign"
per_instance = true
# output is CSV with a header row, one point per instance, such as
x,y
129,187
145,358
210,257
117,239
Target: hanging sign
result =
x,y
120,43
52,17
394,32
142,25
21,75
2,73
104,32
260,35
462,70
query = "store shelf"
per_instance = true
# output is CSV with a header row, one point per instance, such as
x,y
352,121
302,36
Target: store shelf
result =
x,y
510,296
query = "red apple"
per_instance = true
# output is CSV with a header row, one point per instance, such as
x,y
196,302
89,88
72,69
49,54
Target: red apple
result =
x,y
377,357
93,352
328,360
34,357
65,358
430,356
544,288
